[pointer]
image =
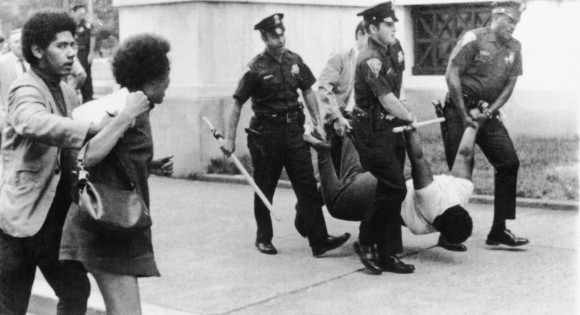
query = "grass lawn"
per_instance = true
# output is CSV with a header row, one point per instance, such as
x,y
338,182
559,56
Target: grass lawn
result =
x,y
548,166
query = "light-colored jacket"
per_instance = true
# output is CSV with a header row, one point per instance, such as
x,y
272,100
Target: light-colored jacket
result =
x,y
35,131
336,83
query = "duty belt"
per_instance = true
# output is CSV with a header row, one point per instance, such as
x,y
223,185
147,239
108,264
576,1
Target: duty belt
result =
x,y
287,117
471,103
359,112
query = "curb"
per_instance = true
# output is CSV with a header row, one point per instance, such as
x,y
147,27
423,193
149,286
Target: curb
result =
x,y
479,199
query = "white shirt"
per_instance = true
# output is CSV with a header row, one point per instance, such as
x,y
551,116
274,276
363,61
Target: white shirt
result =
x,y
421,207
350,103
95,111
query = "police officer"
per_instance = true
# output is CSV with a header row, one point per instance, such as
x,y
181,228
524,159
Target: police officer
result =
x,y
275,136
377,87
85,45
483,69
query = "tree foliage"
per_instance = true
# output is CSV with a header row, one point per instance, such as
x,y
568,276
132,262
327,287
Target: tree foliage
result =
x,y
14,13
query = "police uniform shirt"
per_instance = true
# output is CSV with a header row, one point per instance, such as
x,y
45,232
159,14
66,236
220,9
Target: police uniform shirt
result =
x,y
273,85
378,72
486,63
83,36
398,58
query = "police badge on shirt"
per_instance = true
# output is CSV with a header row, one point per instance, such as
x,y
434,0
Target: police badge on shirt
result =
x,y
83,27
375,65
510,59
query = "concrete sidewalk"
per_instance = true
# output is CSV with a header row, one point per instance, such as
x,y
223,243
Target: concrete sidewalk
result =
x,y
204,234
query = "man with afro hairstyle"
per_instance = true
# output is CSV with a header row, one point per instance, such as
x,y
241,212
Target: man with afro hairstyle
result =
x,y
35,188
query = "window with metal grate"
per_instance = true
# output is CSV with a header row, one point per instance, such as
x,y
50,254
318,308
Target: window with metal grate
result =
x,y
436,29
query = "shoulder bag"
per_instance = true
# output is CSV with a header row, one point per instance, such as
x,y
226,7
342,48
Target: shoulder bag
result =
x,y
114,210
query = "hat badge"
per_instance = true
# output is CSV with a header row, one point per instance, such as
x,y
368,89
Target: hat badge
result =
x,y
276,19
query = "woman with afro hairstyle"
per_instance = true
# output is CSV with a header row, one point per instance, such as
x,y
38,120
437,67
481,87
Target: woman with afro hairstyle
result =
x,y
141,67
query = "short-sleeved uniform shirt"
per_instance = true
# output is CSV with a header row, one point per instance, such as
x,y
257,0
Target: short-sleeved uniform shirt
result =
x,y
486,63
379,71
421,207
83,36
273,85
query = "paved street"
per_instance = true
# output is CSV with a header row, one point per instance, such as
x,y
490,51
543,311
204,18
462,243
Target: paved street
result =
x,y
204,234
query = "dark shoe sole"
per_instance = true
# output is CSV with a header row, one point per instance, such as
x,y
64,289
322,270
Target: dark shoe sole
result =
x,y
369,268
453,248
408,271
267,252
496,243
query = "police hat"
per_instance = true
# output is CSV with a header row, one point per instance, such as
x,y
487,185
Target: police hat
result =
x,y
511,8
383,11
272,24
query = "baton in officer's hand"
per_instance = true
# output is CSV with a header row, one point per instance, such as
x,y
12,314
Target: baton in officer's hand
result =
x,y
421,124
248,177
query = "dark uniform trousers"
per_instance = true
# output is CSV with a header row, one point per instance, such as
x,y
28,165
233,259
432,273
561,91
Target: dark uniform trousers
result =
x,y
382,153
19,258
496,144
87,87
280,144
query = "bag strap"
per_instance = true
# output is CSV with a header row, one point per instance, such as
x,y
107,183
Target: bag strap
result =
x,y
83,173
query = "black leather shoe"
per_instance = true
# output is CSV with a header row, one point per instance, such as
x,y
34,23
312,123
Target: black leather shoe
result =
x,y
266,248
505,237
392,263
450,246
368,257
329,243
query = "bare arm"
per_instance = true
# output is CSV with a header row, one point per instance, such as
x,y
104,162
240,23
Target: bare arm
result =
x,y
326,84
329,79
312,105
420,168
91,49
396,108
456,93
78,75
463,165
229,145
